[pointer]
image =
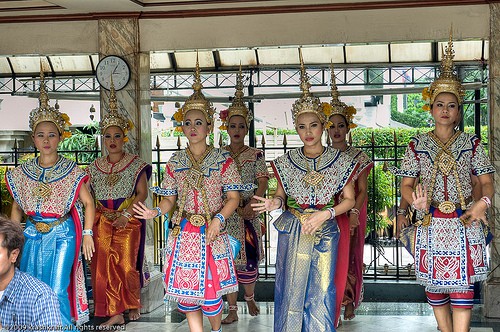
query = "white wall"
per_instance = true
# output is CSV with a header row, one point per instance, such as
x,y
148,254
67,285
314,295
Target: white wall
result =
x,y
15,110
429,23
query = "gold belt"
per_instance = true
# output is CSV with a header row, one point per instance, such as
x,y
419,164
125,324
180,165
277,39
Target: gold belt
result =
x,y
449,207
110,214
196,220
43,227
302,216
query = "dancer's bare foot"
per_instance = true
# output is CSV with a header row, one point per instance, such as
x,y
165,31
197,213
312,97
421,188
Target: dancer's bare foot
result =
x,y
349,311
134,314
253,309
114,320
232,316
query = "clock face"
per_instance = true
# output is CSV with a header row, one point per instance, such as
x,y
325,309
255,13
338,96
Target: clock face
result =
x,y
113,66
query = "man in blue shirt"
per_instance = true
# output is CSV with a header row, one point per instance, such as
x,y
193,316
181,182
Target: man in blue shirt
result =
x,y
26,303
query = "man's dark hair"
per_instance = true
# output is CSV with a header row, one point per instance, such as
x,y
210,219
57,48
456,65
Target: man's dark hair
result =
x,y
13,237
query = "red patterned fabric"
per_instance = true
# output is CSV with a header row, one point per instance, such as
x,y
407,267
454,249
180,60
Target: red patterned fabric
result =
x,y
349,271
190,262
251,166
448,256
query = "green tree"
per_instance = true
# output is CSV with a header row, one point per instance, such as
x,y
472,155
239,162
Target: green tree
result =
x,y
413,114
80,141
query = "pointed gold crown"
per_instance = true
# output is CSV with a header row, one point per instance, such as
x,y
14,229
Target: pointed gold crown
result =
x,y
336,106
46,113
238,106
113,118
447,80
197,100
307,103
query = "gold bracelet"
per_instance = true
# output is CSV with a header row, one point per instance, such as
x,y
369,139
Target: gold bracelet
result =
x,y
282,202
126,214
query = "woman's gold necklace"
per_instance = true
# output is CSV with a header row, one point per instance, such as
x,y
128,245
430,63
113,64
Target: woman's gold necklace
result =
x,y
312,177
236,155
195,177
43,189
112,178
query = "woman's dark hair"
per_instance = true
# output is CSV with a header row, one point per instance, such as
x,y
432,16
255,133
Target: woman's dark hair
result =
x,y
13,237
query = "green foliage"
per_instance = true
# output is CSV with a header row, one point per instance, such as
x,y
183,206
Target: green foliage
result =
x,y
469,109
413,114
380,183
224,136
388,143
178,133
6,197
272,185
79,141
277,131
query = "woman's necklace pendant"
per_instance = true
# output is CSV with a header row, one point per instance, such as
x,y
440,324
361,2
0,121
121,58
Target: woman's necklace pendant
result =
x,y
42,190
195,178
112,179
445,162
313,178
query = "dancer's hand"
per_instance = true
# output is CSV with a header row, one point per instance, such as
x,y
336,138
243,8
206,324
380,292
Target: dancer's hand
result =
x,y
314,221
476,212
420,198
120,222
88,247
143,212
402,222
213,231
248,211
266,204
353,222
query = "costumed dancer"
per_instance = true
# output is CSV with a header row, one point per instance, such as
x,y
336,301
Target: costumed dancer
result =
x,y
118,180
244,224
309,179
199,260
449,247
50,190
349,272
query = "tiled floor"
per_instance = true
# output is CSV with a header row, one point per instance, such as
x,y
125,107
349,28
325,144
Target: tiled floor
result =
x,y
371,317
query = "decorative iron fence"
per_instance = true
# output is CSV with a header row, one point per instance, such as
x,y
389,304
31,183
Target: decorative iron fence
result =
x,y
384,257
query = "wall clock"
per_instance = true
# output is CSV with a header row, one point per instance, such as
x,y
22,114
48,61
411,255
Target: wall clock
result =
x,y
113,66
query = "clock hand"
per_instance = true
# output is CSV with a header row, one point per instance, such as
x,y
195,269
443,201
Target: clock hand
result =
x,y
114,70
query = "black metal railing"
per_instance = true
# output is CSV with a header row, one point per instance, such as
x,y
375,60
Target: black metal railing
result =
x,y
384,256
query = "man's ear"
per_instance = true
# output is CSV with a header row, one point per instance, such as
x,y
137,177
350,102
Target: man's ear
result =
x,y
13,255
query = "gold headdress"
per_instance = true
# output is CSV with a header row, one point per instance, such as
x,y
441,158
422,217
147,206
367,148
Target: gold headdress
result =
x,y
45,113
307,103
196,101
447,80
237,107
113,118
336,106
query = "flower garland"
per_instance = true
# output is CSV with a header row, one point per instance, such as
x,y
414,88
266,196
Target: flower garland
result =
x,y
130,126
223,117
426,97
67,124
348,113
178,118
